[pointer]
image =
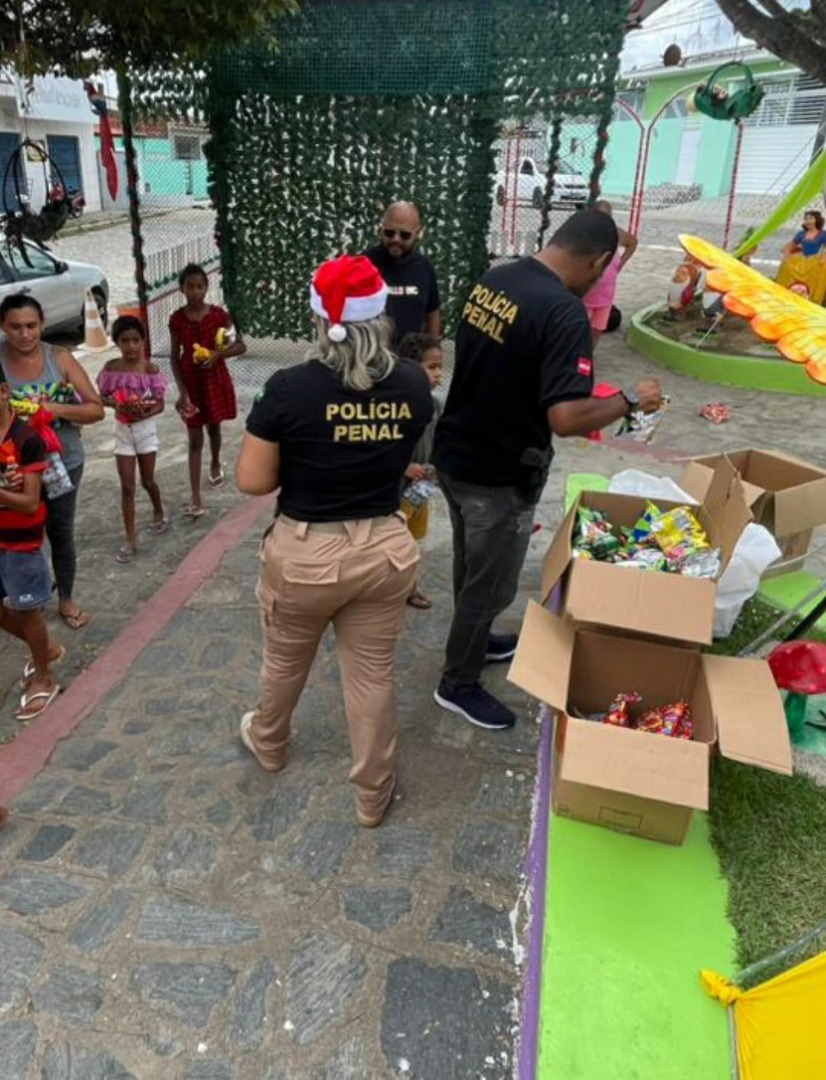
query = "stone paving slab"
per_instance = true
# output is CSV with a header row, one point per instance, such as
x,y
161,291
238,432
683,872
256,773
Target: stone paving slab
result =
x,y
159,893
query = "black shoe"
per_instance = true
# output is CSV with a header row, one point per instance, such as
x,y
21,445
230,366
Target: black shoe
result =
x,y
476,705
501,647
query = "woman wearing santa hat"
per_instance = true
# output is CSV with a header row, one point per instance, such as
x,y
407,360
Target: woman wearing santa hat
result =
x,y
335,434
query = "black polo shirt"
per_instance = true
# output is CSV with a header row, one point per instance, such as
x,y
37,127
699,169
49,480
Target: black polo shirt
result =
x,y
413,290
523,344
343,452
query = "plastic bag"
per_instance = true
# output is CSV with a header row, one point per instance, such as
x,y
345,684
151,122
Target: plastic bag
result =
x,y
647,486
756,550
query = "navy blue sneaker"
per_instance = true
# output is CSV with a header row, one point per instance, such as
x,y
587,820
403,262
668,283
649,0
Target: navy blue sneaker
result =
x,y
475,704
501,647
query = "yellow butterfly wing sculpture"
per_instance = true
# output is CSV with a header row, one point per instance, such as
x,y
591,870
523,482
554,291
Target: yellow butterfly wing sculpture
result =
x,y
794,324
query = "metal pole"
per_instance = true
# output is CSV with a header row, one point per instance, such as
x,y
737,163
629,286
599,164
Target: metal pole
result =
x,y
517,154
505,175
732,194
647,143
633,218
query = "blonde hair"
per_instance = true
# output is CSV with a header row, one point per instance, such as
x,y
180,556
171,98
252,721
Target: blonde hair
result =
x,y
363,358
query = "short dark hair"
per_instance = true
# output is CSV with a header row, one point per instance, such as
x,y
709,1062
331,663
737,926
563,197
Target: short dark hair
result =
x,y
414,346
587,233
816,214
18,301
192,270
127,322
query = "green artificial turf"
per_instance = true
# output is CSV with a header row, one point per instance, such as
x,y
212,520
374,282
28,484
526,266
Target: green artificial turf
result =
x,y
769,832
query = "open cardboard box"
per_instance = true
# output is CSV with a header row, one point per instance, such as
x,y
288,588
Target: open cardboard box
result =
x,y
634,781
785,495
646,602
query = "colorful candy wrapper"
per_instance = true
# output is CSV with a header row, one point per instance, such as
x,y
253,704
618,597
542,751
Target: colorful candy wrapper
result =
x,y
672,720
640,426
707,563
678,527
619,714
641,532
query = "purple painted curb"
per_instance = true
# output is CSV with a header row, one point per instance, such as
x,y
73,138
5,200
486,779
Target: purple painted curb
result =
x,y
536,872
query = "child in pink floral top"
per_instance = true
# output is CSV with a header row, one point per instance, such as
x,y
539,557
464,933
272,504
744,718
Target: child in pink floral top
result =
x,y
135,389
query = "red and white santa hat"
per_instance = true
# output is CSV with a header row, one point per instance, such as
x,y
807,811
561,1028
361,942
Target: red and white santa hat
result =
x,y
347,289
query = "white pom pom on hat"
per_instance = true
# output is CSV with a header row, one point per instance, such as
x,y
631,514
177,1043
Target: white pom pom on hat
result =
x,y
348,289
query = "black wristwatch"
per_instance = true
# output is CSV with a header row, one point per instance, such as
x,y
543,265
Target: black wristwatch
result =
x,y
632,399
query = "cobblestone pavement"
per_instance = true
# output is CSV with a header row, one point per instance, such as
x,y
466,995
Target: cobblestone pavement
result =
x,y
167,910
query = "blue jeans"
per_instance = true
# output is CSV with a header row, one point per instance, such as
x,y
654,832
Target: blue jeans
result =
x,y
60,530
25,581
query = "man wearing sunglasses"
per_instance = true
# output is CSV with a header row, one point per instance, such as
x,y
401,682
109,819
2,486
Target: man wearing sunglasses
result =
x,y
413,294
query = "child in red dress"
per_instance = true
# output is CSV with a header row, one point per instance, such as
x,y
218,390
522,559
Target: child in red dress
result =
x,y
206,394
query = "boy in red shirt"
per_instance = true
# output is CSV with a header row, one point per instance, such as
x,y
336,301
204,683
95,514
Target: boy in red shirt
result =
x,y
25,582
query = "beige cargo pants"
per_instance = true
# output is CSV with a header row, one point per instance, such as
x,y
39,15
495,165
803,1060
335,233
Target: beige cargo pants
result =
x,y
356,575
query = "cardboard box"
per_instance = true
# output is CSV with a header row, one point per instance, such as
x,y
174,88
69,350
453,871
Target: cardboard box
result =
x,y
635,781
646,602
785,495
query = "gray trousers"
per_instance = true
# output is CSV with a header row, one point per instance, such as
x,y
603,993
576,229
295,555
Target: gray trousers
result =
x,y
491,530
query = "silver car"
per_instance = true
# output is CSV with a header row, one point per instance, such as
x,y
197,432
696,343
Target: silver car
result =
x,y
58,284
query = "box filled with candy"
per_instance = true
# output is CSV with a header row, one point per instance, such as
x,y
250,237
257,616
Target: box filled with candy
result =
x,y
637,722
623,562
669,540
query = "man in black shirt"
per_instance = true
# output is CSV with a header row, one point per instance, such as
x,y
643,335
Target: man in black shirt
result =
x,y
413,300
523,370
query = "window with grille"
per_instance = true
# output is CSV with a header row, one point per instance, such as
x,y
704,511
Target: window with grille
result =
x,y
793,99
186,147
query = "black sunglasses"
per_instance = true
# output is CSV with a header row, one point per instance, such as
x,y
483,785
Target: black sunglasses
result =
x,y
403,234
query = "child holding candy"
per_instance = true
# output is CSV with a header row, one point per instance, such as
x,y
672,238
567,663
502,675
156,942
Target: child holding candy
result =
x,y
200,344
25,581
135,389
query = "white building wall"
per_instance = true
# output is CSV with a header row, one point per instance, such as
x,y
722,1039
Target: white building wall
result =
x,y
54,114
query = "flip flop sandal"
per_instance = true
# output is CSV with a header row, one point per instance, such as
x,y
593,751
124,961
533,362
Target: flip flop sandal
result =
x,y
158,527
125,555
44,696
77,620
28,669
217,481
193,512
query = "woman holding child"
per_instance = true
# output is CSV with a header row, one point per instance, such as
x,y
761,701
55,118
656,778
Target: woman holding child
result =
x,y
52,376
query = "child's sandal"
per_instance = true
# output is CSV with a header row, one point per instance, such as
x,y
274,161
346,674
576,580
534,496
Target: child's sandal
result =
x,y
126,555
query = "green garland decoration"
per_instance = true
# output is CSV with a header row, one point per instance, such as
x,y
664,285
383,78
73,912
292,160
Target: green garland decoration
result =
x,y
366,101
550,179
125,97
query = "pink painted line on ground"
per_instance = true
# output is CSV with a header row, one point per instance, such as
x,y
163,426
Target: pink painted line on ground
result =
x,y
25,757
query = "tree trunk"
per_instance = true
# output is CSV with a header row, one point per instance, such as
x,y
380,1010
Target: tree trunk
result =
x,y
787,37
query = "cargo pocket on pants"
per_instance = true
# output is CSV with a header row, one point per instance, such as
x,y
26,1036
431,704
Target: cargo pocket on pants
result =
x,y
402,551
296,572
266,601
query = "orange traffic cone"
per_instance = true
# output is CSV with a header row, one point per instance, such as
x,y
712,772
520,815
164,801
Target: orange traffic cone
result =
x,y
94,337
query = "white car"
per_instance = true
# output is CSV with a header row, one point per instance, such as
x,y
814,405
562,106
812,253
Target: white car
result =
x,y
570,188
58,284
